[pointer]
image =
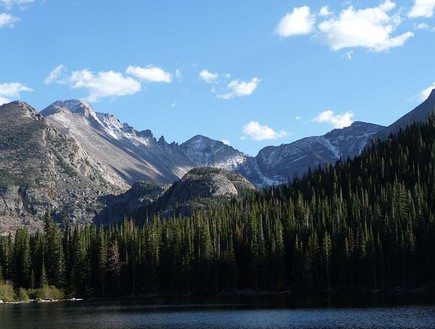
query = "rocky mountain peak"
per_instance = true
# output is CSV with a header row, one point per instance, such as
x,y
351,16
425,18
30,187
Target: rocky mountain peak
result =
x,y
42,169
162,141
212,153
21,109
145,134
77,106
67,110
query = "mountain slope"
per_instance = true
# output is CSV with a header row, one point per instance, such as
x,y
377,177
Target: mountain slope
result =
x,y
127,154
197,190
419,114
206,152
132,204
130,156
41,170
279,164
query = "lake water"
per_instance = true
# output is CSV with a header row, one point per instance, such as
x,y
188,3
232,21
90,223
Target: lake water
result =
x,y
132,315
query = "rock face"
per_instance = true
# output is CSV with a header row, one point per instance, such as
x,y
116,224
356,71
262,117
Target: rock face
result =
x,y
132,204
199,186
41,170
419,114
206,152
279,164
126,154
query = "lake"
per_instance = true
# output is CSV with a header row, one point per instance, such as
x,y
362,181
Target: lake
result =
x,y
132,314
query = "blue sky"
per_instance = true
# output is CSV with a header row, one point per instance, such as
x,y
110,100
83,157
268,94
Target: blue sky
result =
x,y
249,72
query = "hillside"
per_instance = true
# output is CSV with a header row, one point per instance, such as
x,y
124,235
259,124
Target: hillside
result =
x,y
127,155
280,164
80,164
419,114
42,170
200,188
361,226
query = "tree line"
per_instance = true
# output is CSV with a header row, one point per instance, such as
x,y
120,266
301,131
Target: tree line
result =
x,y
361,224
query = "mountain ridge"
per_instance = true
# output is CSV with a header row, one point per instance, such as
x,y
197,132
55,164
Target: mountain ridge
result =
x,y
419,113
201,151
128,155
70,160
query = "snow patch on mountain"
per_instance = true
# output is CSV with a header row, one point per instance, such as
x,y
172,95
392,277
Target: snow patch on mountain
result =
x,y
325,142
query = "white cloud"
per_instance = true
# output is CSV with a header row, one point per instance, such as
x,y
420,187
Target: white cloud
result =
x,y
337,120
226,142
324,11
99,85
422,8
7,20
104,84
12,91
259,132
298,118
241,88
57,75
299,22
424,94
208,76
178,74
370,28
149,74
10,3
422,26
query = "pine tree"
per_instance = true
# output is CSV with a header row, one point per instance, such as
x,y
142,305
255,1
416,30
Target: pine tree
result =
x,y
22,260
53,254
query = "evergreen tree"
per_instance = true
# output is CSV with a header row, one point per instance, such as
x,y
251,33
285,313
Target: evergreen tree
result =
x,y
53,253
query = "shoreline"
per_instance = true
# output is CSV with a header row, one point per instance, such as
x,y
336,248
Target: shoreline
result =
x,y
39,300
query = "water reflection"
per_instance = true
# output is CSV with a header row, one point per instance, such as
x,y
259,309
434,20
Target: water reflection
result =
x,y
97,315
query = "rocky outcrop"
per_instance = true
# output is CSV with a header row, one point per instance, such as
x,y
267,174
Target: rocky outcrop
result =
x,y
206,152
197,188
132,204
43,170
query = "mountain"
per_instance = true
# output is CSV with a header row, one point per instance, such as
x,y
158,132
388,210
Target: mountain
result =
x,y
42,169
126,154
206,152
279,164
363,225
75,162
197,190
419,114
133,203
129,156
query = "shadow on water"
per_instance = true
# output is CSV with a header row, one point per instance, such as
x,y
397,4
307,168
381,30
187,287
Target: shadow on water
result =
x,y
249,311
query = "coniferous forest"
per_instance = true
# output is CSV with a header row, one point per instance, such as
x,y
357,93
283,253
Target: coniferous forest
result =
x,y
363,224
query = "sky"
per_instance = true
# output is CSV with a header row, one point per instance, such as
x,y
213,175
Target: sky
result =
x,y
250,73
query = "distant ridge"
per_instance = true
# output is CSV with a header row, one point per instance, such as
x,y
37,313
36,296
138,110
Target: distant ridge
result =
x,y
418,114
280,164
68,156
